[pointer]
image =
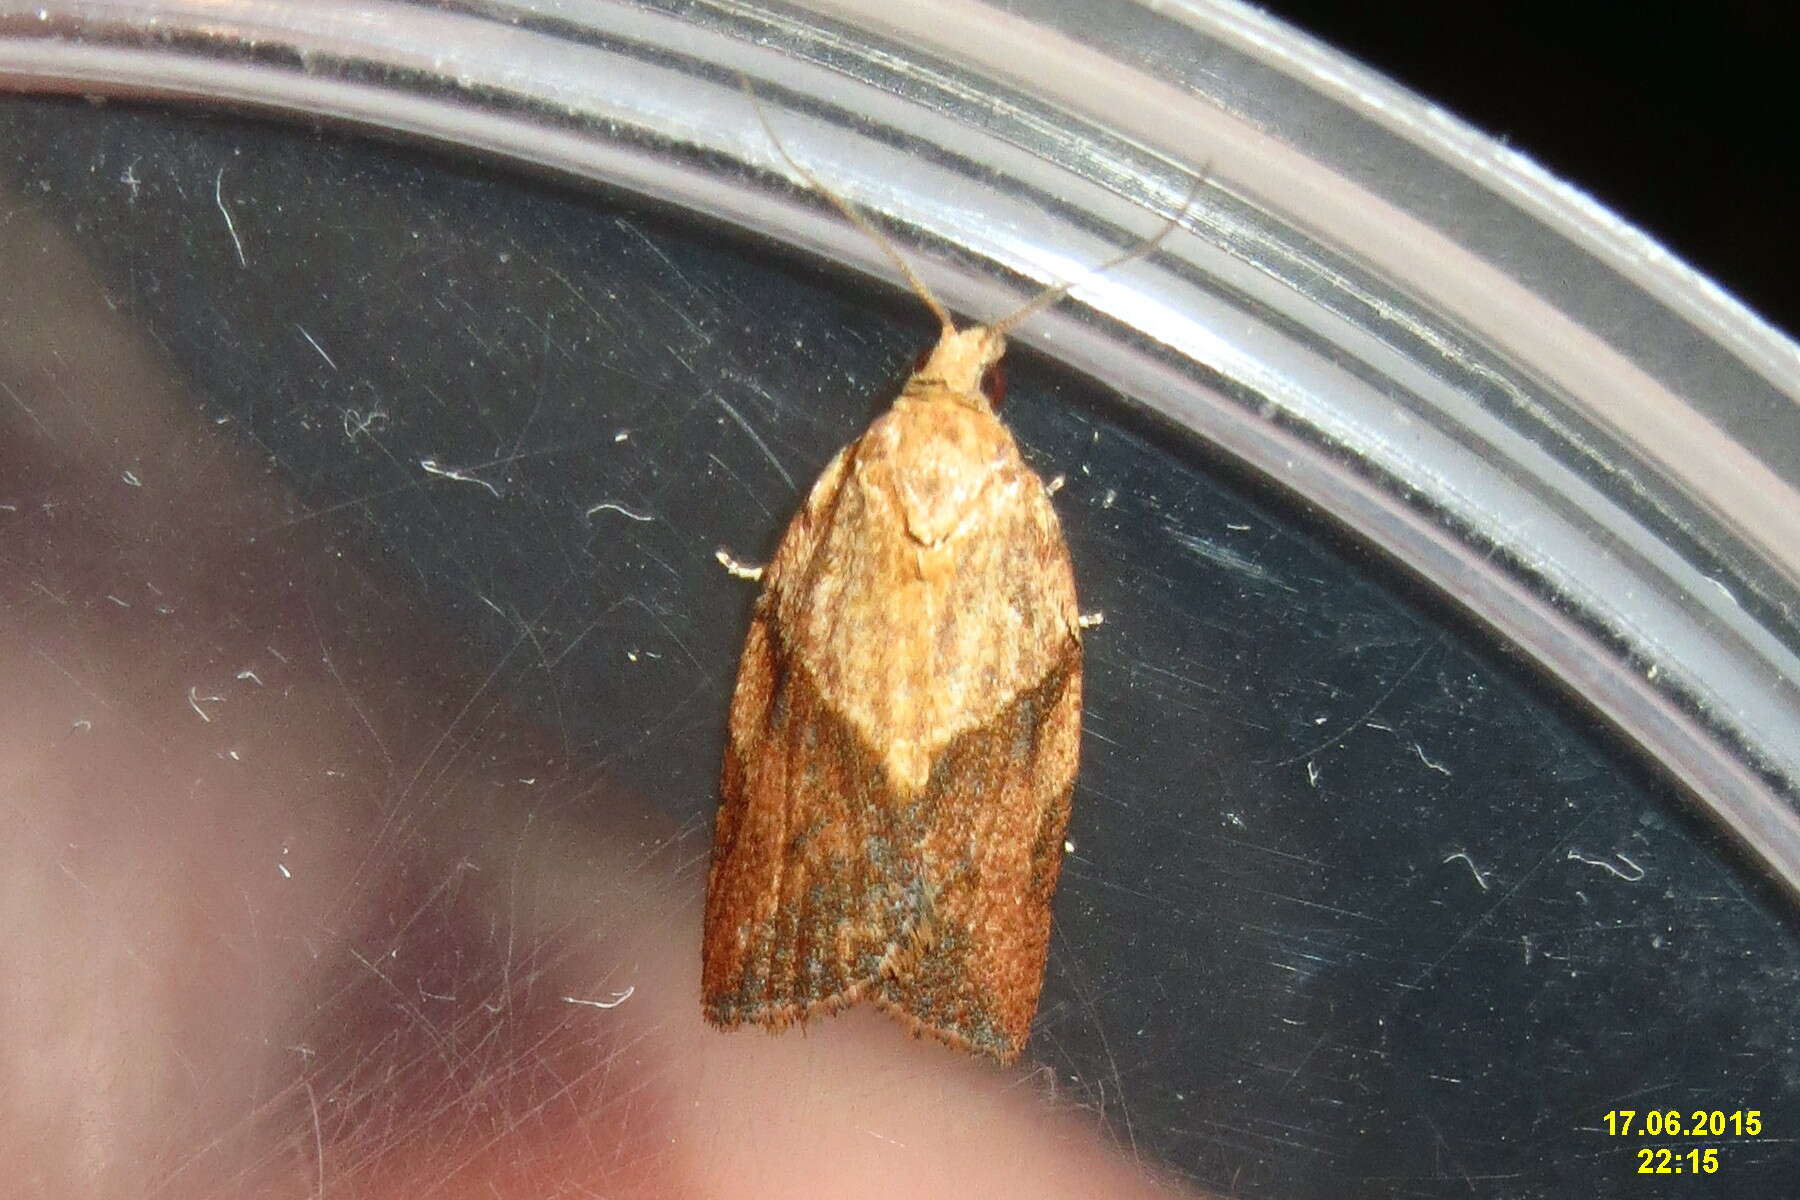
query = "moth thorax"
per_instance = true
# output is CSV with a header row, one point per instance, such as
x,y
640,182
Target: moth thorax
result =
x,y
939,460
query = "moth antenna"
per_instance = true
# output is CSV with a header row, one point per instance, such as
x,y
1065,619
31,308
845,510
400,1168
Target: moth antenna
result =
x,y
1051,295
850,211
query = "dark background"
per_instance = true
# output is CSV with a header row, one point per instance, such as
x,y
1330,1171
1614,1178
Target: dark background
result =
x,y
1680,117
1357,905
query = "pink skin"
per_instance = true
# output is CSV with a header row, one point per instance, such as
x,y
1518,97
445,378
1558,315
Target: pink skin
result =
x,y
280,918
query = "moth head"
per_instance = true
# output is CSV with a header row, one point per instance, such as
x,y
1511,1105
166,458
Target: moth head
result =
x,y
965,365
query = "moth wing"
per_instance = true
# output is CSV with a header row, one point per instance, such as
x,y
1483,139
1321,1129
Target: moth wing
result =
x,y
812,884
998,804
829,882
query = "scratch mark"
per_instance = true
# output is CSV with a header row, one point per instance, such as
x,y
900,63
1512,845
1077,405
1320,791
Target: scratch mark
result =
x,y
669,633
1085,996
754,436
1440,768
1227,558
618,998
748,491
1637,872
1186,681
75,879
373,969
569,647
314,343
1312,773
1468,931
680,313
130,477
593,309
431,466
609,506
1088,730
318,1141
230,225
1443,1148
1480,876
26,409
1367,713
252,676
349,696
1237,822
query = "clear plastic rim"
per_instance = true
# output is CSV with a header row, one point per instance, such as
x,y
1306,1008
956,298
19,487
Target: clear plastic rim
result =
x,y
1578,440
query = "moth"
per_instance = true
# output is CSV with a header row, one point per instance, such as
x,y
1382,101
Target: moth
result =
x,y
905,729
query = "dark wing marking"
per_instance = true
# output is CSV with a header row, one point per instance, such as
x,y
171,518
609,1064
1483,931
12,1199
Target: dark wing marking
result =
x,y
998,808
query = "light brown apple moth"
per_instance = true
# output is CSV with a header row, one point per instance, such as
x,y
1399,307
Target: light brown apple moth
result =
x,y
904,733
905,728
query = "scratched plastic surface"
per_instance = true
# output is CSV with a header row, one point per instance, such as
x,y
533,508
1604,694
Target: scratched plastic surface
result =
x,y
1356,905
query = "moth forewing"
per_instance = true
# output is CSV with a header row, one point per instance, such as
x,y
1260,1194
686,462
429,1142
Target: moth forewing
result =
x,y
904,733
906,724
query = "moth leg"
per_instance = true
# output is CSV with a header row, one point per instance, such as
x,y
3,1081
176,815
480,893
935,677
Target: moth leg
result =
x,y
736,569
